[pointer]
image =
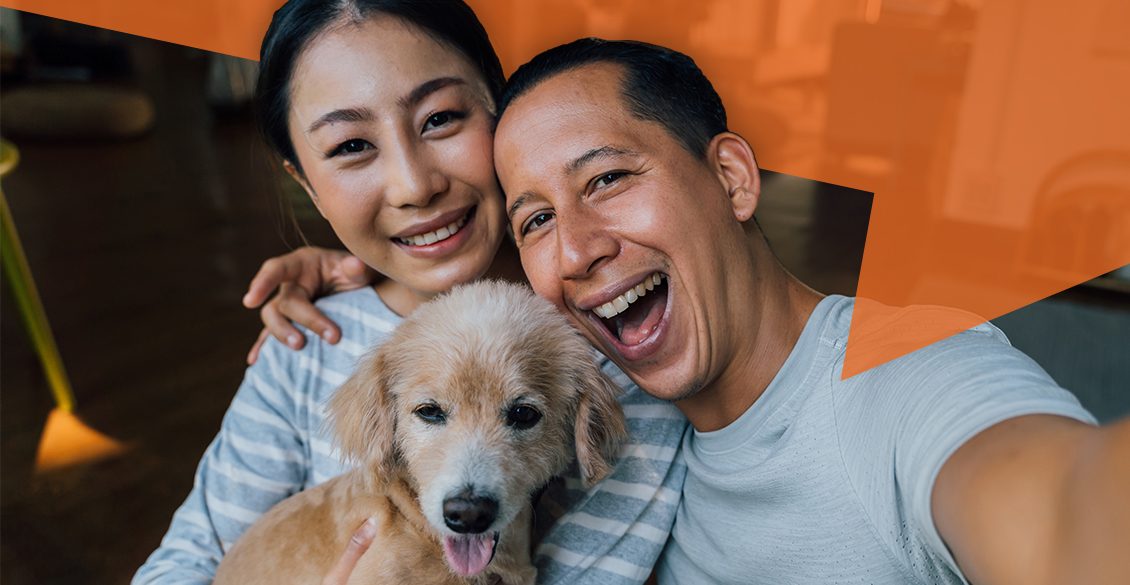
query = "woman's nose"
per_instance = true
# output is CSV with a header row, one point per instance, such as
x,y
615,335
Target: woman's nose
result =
x,y
411,179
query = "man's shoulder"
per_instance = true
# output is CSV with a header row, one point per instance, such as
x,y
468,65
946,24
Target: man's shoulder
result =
x,y
974,340
974,369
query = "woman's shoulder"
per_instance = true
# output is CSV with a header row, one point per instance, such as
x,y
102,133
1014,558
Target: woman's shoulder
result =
x,y
360,313
364,321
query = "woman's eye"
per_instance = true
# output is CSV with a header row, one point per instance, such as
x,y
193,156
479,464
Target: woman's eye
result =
x,y
608,178
522,417
352,146
536,220
440,119
431,414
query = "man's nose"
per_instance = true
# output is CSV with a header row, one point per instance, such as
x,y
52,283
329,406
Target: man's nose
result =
x,y
583,243
410,178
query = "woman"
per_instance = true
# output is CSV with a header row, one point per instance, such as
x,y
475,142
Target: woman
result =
x,y
383,111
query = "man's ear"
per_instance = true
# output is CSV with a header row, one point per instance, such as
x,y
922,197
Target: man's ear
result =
x,y
301,180
733,160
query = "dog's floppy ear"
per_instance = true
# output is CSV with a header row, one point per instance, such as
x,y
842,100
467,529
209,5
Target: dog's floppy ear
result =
x,y
364,416
599,428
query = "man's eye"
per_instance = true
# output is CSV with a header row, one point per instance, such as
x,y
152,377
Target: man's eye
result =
x,y
608,178
352,146
536,220
441,119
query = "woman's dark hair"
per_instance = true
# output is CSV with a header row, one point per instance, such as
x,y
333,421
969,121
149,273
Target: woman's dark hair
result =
x,y
451,22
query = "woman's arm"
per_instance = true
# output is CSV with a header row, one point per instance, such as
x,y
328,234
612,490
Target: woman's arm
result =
x,y
259,457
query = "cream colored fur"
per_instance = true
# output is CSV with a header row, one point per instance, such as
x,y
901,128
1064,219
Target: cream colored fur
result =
x,y
474,352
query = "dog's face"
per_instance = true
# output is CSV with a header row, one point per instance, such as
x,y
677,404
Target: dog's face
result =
x,y
479,399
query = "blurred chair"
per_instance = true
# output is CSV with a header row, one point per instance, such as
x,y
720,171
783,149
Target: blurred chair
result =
x,y
1081,218
69,111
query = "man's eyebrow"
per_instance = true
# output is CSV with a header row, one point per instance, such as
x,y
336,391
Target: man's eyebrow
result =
x,y
594,154
518,203
427,88
342,115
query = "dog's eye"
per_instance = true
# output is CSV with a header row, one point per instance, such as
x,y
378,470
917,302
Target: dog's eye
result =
x,y
522,417
431,414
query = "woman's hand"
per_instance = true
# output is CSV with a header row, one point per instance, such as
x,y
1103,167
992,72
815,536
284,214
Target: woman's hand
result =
x,y
300,277
339,574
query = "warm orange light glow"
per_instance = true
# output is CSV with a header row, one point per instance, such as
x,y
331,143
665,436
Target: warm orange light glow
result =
x,y
68,441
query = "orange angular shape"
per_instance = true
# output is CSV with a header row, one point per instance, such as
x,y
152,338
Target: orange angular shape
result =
x,y
994,135
67,441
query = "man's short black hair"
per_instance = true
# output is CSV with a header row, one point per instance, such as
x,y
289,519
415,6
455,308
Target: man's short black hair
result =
x,y
660,85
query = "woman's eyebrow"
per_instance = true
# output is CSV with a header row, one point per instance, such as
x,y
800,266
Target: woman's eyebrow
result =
x,y
342,115
427,88
365,114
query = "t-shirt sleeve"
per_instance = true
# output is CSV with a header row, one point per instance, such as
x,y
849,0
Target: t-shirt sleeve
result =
x,y
903,420
258,458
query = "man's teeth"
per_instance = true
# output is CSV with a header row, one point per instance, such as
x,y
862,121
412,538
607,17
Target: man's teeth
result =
x,y
432,237
621,303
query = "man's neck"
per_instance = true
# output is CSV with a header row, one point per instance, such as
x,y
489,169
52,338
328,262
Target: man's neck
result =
x,y
767,337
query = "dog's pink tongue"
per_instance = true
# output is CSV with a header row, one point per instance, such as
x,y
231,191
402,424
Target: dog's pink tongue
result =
x,y
469,555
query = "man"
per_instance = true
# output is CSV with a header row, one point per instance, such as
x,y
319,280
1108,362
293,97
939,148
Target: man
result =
x,y
630,203
617,167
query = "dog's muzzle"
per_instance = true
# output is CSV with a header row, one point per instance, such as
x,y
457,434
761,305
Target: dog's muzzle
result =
x,y
466,513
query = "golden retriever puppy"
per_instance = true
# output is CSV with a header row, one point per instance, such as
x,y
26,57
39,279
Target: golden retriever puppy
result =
x,y
476,401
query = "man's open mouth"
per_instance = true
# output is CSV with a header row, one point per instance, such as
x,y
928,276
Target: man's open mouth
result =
x,y
633,316
469,554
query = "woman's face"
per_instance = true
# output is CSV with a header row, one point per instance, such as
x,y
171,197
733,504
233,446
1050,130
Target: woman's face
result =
x,y
393,132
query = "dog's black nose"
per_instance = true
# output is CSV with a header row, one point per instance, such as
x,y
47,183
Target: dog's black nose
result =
x,y
466,513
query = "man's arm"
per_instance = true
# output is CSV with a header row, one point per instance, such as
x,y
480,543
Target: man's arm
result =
x,y
297,279
1038,500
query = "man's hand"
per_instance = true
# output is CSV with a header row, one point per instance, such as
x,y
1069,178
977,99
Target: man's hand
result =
x,y
300,277
339,574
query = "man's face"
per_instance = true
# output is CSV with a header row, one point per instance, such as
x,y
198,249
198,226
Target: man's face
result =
x,y
627,232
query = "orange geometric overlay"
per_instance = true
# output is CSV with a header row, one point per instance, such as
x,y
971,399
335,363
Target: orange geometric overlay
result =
x,y
994,134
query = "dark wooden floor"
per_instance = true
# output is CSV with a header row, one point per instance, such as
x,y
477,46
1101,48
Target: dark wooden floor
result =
x,y
142,250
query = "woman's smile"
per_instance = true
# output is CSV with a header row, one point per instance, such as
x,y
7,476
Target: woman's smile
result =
x,y
424,240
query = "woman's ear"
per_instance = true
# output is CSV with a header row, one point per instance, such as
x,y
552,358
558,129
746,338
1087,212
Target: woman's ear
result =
x,y
301,180
736,167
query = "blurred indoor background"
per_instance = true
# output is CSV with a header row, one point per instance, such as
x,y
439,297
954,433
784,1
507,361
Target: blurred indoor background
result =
x,y
145,202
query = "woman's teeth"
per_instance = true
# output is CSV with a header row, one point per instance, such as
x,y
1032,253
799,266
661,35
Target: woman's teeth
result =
x,y
432,237
621,303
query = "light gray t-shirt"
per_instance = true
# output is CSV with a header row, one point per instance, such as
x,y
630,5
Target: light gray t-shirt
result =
x,y
826,480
